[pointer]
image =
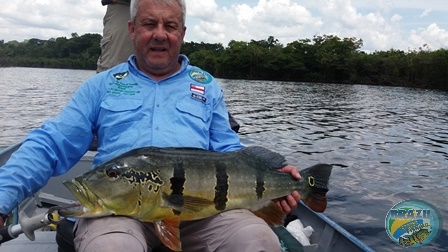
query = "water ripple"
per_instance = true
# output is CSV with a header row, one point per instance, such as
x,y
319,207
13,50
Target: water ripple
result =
x,y
380,140
31,95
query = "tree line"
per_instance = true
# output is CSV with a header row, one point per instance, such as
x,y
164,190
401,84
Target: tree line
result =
x,y
325,59
77,52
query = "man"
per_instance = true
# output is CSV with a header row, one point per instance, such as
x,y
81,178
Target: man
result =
x,y
154,99
116,45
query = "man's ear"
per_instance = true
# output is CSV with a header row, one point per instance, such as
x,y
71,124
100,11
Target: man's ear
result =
x,y
131,29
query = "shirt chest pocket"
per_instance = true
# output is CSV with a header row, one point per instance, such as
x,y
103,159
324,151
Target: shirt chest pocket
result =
x,y
115,112
193,109
118,105
119,121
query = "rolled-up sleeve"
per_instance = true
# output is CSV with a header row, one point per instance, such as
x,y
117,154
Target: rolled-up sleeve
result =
x,y
48,151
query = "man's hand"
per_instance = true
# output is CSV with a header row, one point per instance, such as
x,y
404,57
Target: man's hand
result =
x,y
289,202
3,219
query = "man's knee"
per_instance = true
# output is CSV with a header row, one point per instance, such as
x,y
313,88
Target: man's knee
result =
x,y
117,241
111,234
252,237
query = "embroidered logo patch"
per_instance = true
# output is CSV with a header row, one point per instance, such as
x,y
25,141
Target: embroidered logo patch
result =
x,y
120,76
196,88
200,76
119,88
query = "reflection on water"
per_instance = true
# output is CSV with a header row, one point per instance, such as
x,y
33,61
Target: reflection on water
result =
x,y
387,144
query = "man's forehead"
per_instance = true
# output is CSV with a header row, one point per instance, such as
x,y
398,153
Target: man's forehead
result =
x,y
158,10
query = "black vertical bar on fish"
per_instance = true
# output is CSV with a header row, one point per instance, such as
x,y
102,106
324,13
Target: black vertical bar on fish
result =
x,y
177,183
222,186
259,189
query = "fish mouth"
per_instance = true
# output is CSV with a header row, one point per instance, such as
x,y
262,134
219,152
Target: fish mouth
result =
x,y
73,210
89,205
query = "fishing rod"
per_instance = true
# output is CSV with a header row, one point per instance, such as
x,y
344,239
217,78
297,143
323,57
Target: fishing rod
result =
x,y
27,225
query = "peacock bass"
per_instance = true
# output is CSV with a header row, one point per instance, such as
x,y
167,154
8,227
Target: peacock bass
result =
x,y
168,185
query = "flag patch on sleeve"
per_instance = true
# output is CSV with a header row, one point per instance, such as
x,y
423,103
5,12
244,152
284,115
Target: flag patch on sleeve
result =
x,y
197,89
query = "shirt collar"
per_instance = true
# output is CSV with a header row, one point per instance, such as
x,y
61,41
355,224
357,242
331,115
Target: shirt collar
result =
x,y
183,60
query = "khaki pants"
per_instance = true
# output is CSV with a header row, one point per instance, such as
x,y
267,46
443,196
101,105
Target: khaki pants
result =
x,y
236,230
116,45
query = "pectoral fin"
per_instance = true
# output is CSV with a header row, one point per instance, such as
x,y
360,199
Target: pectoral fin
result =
x,y
168,233
185,203
271,213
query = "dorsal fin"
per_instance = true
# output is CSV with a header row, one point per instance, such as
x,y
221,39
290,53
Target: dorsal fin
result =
x,y
264,158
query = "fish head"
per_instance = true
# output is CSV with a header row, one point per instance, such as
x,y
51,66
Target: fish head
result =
x,y
113,188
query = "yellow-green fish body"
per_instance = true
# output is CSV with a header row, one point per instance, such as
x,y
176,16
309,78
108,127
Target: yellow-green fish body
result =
x,y
169,185
416,237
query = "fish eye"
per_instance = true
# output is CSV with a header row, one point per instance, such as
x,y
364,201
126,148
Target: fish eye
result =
x,y
113,172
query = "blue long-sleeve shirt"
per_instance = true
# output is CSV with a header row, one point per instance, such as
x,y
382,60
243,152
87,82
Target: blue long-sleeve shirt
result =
x,y
126,109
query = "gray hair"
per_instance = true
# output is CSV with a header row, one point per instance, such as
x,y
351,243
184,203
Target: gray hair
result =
x,y
133,8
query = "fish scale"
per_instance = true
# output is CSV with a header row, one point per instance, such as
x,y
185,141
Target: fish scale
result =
x,y
169,185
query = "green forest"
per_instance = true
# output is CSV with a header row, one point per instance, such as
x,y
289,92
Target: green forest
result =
x,y
321,59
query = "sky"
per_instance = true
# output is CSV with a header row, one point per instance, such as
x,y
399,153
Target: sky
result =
x,y
381,24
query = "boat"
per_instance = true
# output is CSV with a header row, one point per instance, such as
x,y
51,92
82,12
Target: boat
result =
x,y
34,227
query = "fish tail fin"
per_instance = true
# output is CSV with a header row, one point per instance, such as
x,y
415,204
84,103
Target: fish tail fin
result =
x,y
316,178
272,214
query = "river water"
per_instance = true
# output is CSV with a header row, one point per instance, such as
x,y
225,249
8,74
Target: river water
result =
x,y
387,144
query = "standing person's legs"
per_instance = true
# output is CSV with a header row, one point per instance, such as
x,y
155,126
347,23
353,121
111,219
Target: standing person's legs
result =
x,y
114,234
116,44
235,230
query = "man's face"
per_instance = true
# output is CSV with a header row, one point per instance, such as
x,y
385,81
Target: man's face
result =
x,y
157,32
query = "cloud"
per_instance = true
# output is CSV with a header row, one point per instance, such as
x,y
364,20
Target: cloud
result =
x,y
379,29
425,12
283,19
396,18
381,24
433,36
43,19
341,12
203,9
